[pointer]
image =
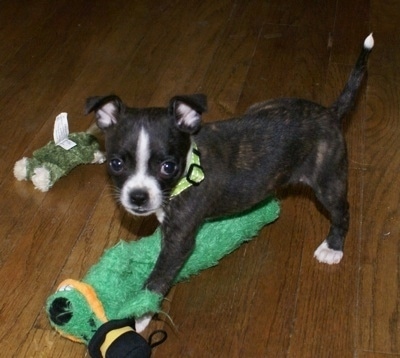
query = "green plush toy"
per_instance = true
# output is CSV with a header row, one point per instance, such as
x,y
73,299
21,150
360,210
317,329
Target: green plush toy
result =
x,y
58,157
101,309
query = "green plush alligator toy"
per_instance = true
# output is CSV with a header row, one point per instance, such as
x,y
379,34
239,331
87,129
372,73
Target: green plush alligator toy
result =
x,y
101,310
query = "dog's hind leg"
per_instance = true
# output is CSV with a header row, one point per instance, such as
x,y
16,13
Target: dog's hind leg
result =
x,y
333,196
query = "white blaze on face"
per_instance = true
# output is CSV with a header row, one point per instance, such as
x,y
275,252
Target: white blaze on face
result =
x,y
142,153
141,180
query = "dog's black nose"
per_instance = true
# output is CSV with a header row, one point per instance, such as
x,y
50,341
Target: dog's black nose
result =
x,y
139,197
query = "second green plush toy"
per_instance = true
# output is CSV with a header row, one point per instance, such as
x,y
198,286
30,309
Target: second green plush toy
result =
x,y
51,162
59,156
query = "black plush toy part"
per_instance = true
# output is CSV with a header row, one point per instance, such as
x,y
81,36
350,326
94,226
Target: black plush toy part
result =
x,y
119,339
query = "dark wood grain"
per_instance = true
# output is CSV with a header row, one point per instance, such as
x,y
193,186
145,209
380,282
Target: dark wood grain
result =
x,y
380,279
269,298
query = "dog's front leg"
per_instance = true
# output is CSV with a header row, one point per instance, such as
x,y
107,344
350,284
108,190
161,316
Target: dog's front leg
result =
x,y
176,246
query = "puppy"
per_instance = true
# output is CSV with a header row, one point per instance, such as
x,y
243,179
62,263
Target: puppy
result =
x,y
164,162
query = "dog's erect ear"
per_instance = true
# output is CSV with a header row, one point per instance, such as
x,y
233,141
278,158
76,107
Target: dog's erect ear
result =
x,y
187,111
107,110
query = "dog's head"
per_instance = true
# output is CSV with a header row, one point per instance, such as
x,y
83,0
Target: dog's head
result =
x,y
147,148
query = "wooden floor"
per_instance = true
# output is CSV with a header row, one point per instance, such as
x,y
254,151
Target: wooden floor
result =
x,y
270,298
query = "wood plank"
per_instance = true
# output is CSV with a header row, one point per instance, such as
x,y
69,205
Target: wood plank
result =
x,y
349,13
56,63
195,50
299,71
379,311
338,286
365,354
44,343
306,14
33,264
326,313
233,58
19,21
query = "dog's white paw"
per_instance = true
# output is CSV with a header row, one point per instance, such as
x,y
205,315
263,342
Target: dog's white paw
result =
x,y
142,322
98,157
20,169
326,255
41,179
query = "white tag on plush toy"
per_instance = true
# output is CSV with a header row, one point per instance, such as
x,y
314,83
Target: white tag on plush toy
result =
x,y
61,131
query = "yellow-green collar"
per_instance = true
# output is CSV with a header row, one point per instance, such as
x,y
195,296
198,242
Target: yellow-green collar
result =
x,y
194,174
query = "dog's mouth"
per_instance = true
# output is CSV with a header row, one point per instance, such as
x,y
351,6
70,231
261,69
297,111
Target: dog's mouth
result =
x,y
141,211
136,210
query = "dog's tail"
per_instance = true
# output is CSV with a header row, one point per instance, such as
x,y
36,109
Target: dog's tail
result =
x,y
346,100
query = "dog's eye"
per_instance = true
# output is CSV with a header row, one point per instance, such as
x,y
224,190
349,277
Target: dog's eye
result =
x,y
168,169
116,165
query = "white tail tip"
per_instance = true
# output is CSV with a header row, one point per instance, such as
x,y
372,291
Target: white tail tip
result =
x,y
369,42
